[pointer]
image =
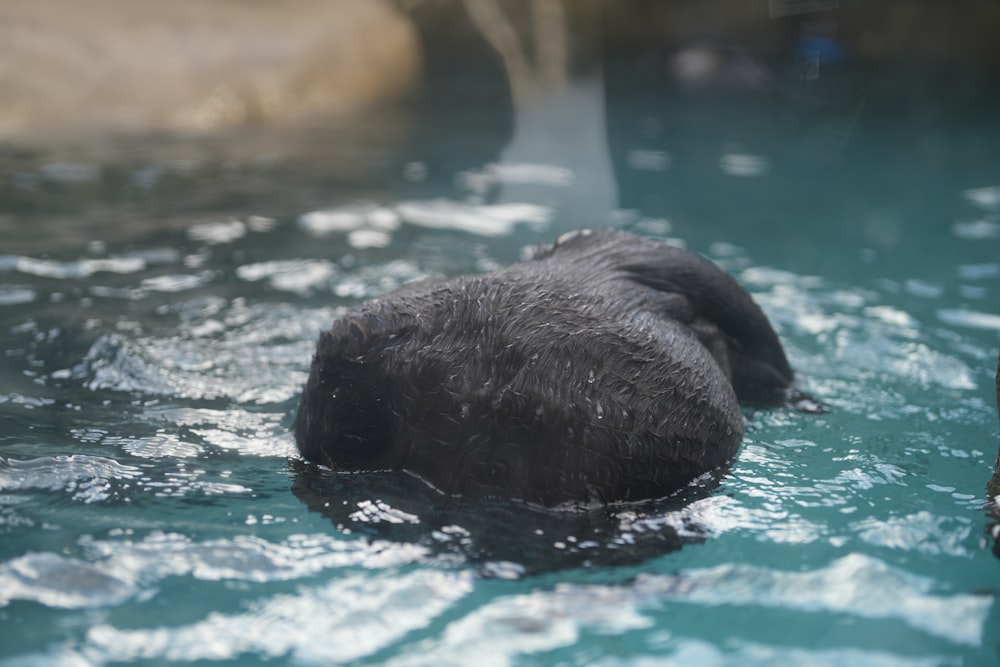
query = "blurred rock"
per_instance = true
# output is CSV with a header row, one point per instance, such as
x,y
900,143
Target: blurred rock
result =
x,y
79,68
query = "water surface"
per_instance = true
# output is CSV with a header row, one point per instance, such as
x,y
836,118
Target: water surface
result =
x,y
158,320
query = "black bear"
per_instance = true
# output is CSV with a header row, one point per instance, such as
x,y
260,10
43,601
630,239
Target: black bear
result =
x,y
608,368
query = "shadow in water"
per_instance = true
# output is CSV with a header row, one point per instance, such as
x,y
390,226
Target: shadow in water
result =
x,y
502,538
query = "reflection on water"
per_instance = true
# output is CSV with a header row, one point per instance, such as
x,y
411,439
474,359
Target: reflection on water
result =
x,y
503,539
159,306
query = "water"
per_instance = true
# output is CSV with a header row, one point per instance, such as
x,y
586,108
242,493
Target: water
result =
x,y
158,318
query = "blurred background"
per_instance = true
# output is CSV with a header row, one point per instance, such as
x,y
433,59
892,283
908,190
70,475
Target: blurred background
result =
x,y
118,117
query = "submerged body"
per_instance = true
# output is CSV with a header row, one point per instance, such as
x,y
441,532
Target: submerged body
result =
x,y
608,368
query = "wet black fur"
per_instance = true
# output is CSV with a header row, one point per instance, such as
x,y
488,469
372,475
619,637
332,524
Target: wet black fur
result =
x,y
607,368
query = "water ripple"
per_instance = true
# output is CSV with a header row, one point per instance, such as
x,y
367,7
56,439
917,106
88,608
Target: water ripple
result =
x,y
540,622
684,651
60,582
353,617
298,276
89,479
193,368
249,433
482,219
11,295
964,317
48,268
479,219
116,570
855,584
920,532
874,343
242,558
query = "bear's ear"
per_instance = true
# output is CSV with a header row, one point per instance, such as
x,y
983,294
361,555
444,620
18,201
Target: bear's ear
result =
x,y
760,372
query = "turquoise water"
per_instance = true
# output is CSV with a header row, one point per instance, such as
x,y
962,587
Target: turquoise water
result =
x,y
158,320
